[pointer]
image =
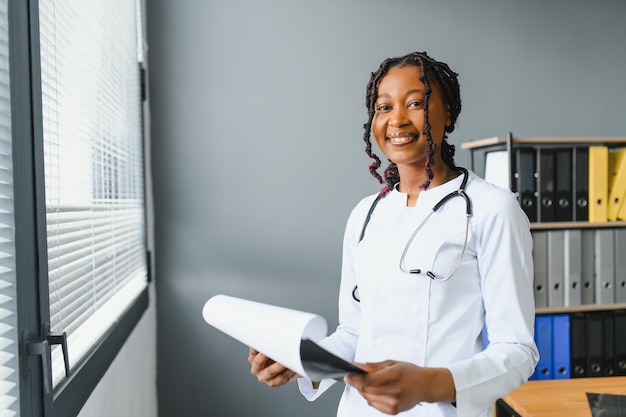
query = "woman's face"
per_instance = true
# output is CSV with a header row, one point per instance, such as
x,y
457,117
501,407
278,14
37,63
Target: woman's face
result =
x,y
398,123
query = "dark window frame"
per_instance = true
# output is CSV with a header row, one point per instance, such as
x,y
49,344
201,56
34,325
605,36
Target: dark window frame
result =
x,y
30,230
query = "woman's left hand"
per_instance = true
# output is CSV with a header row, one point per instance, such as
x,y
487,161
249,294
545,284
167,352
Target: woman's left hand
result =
x,y
392,387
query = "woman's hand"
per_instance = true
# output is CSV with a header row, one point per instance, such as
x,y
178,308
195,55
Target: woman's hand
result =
x,y
268,371
392,387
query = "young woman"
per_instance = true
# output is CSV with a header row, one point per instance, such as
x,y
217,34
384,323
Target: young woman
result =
x,y
428,263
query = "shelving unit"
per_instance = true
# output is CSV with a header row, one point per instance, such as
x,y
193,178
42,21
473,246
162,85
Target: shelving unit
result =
x,y
516,403
478,150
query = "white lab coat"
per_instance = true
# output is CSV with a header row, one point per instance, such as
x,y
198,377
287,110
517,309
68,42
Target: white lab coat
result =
x,y
412,318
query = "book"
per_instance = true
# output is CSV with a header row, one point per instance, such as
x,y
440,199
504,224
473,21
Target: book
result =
x,y
526,187
617,182
287,336
563,191
546,174
580,183
543,339
561,351
598,183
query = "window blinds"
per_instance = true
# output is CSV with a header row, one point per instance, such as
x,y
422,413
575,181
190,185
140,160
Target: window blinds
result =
x,y
93,167
9,377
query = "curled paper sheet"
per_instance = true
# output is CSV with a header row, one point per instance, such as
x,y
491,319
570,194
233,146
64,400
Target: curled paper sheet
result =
x,y
285,335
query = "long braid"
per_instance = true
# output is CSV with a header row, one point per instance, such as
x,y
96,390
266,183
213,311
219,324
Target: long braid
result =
x,y
430,145
370,103
447,79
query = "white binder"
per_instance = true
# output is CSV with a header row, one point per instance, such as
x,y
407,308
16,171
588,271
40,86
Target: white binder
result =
x,y
587,266
540,260
556,279
572,276
604,267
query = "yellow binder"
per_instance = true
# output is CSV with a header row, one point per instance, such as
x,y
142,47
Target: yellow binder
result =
x,y
598,183
617,183
621,214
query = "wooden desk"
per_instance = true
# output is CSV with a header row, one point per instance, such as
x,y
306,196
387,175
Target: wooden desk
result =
x,y
562,397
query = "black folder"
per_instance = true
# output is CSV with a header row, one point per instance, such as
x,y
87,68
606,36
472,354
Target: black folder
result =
x,y
595,342
608,348
563,194
620,342
546,173
578,337
580,183
526,173
320,364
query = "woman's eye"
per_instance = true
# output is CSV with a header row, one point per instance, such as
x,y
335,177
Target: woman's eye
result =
x,y
383,107
415,104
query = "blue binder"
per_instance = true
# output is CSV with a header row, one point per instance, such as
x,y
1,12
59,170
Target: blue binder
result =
x,y
561,342
543,339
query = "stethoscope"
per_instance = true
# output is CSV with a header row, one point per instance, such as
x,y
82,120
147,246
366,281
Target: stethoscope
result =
x,y
460,192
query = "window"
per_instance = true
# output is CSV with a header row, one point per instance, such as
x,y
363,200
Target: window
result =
x,y
9,373
93,168
81,262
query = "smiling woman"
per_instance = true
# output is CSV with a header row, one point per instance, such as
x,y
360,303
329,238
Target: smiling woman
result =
x,y
400,121
413,93
416,332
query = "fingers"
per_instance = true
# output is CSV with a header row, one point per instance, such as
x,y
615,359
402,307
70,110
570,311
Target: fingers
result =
x,y
385,386
251,354
268,371
372,378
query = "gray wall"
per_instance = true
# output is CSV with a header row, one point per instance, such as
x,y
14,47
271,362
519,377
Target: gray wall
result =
x,y
258,109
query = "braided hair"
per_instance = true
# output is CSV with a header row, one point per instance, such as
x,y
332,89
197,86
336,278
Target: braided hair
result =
x,y
447,79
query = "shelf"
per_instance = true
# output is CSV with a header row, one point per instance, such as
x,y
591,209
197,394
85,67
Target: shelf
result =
x,y
498,140
576,225
580,308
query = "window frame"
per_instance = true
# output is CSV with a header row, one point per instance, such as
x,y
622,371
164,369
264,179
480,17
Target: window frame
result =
x,y
30,230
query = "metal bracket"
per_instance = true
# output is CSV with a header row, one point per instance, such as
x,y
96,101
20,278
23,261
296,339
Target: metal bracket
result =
x,y
61,339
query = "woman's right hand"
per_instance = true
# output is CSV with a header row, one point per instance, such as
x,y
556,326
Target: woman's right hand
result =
x,y
268,371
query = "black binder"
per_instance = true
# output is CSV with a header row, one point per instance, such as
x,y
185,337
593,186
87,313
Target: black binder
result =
x,y
563,208
546,173
526,175
620,342
581,183
578,337
595,342
608,329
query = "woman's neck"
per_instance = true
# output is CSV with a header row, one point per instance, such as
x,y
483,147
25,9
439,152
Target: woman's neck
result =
x,y
412,185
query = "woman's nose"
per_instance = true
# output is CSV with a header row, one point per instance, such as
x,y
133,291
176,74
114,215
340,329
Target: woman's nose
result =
x,y
398,117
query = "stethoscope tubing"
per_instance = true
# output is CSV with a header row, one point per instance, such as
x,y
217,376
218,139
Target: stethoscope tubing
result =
x,y
460,192
468,213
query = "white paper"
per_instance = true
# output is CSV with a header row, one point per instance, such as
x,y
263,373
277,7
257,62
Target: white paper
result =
x,y
497,168
274,331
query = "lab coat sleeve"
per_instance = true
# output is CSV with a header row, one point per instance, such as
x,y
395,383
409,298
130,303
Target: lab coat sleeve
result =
x,y
504,252
342,342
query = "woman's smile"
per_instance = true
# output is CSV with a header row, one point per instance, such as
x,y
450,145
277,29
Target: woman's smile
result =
x,y
402,138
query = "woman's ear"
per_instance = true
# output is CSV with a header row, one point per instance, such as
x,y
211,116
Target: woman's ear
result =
x,y
448,116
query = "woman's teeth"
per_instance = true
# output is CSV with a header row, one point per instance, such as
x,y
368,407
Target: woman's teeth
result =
x,y
399,140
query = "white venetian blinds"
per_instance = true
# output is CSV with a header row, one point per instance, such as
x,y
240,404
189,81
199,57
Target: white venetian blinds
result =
x,y
93,167
9,377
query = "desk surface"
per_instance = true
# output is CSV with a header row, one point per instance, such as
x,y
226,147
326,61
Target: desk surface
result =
x,y
562,397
